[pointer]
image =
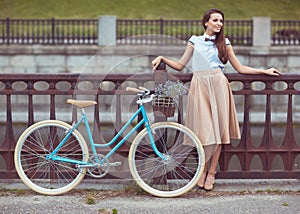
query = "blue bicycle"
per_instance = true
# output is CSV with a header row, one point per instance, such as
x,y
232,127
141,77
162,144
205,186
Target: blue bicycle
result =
x,y
166,159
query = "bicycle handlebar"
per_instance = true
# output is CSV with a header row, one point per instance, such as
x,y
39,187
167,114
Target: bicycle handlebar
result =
x,y
143,88
141,91
134,90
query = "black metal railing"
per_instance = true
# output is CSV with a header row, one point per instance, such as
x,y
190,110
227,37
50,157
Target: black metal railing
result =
x,y
172,32
146,32
285,32
266,157
48,31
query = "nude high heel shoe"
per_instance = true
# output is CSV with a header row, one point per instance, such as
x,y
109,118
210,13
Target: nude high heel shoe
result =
x,y
210,181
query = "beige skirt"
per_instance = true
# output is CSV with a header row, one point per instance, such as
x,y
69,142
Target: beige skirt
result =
x,y
211,112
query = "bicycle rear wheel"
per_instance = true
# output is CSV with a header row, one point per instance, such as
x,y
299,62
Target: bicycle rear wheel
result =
x,y
49,177
182,168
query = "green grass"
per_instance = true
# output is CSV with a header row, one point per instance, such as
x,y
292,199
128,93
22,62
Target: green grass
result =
x,y
90,199
148,9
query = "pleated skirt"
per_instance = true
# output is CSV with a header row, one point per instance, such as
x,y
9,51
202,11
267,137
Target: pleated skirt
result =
x,y
211,112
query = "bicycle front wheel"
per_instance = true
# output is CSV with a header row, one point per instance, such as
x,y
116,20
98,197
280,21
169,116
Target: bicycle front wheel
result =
x,y
183,164
47,176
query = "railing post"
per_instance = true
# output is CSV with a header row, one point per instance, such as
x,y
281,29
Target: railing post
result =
x,y
160,76
9,139
107,30
261,31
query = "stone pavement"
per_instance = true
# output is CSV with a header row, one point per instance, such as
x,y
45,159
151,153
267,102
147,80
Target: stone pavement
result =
x,y
229,196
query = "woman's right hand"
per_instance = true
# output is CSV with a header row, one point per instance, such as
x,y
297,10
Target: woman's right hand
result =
x,y
156,62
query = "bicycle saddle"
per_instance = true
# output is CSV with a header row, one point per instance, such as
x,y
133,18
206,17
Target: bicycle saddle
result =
x,y
81,103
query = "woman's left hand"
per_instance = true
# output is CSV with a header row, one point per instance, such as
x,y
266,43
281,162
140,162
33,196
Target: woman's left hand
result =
x,y
272,72
156,62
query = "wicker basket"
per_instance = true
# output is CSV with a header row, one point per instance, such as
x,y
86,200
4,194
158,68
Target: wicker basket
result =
x,y
163,106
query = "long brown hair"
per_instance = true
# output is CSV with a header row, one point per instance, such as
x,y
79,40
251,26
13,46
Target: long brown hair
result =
x,y
220,38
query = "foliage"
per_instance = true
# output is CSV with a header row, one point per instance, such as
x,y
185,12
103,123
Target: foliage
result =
x,y
134,188
154,9
105,211
171,89
90,200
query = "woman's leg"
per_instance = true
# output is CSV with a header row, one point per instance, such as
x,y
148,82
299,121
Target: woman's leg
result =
x,y
215,159
209,153
201,181
210,178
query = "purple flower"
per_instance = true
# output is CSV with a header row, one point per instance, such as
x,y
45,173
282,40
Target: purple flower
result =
x,y
171,89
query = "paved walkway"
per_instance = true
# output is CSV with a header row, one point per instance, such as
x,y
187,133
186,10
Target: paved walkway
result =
x,y
229,196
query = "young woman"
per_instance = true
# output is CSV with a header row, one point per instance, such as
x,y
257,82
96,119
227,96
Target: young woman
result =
x,y
211,112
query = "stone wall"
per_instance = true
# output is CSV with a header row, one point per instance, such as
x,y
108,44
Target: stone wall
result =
x,y
128,59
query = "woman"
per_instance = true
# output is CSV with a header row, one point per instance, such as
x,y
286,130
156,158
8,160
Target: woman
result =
x,y
211,111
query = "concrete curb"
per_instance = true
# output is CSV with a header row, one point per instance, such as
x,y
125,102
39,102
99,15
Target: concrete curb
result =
x,y
222,185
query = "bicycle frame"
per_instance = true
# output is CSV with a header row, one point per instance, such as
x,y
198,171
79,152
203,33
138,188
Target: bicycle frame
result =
x,y
145,121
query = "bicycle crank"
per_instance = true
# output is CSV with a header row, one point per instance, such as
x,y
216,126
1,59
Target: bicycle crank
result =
x,y
99,166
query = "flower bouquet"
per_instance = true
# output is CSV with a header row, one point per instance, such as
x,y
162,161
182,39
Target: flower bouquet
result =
x,y
166,97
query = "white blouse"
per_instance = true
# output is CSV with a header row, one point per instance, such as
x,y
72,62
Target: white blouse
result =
x,y
205,54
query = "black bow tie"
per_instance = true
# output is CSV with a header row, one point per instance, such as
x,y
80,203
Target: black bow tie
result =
x,y
208,39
